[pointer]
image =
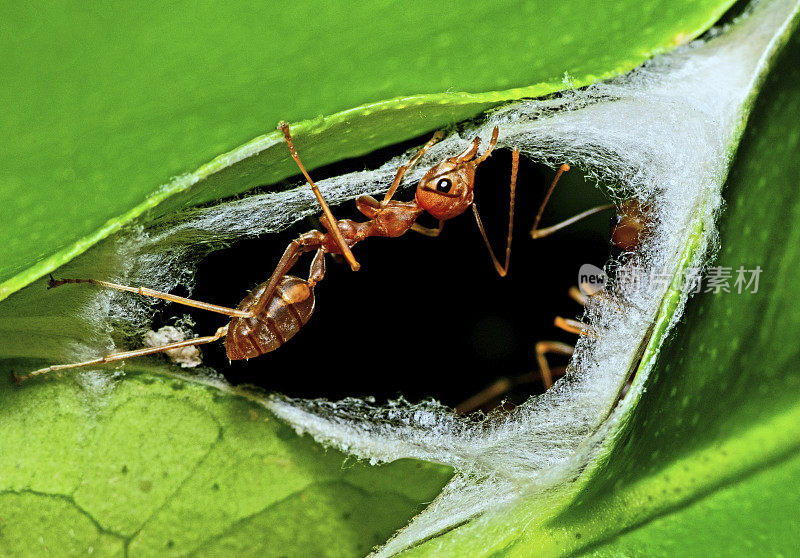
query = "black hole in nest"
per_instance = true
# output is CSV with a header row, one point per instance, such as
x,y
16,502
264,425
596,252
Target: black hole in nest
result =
x,y
424,317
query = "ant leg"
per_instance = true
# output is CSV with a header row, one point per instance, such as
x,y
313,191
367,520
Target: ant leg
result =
x,y
332,223
482,158
221,332
502,270
540,233
561,170
144,291
578,296
404,168
317,271
582,298
428,231
545,347
536,232
481,398
573,326
305,243
469,153
497,389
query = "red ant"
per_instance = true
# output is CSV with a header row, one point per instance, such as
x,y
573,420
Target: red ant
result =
x,y
276,310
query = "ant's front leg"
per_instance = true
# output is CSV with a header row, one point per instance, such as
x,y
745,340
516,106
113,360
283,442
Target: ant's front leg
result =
x,y
536,232
428,231
413,161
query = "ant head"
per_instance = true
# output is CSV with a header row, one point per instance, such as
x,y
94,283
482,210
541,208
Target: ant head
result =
x,y
446,189
630,225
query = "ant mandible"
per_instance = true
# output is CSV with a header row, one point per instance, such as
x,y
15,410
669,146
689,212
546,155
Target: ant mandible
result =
x,y
276,310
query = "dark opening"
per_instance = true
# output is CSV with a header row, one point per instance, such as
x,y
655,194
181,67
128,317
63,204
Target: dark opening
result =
x,y
424,317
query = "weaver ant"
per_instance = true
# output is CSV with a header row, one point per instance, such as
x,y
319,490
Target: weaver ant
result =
x,y
276,310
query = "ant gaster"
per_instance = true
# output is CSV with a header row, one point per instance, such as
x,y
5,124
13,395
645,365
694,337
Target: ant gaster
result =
x,y
276,310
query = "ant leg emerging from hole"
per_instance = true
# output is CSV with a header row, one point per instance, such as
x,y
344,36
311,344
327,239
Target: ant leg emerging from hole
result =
x,y
546,347
545,374
573,326
497,389
569,325
536,232
500,388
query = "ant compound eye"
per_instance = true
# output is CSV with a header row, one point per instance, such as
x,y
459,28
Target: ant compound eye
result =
x,y
444,185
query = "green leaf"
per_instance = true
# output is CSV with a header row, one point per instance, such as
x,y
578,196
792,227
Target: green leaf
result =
x,y
169,431
756,515
158,465
112,112
723,404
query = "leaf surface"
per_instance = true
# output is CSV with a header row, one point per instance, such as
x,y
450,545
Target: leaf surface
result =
x,y
137,464
155,465
126,110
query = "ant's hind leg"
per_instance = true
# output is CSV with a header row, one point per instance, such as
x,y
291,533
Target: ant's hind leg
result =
x,y
578,296
221,332
144,291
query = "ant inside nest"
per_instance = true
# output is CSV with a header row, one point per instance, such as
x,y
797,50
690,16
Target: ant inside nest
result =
x,y
425,317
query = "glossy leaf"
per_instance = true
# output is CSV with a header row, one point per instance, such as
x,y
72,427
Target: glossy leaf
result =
x,y
161,466
110,112
134,462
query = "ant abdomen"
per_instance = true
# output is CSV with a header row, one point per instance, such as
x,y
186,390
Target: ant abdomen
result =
x,y
289,310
